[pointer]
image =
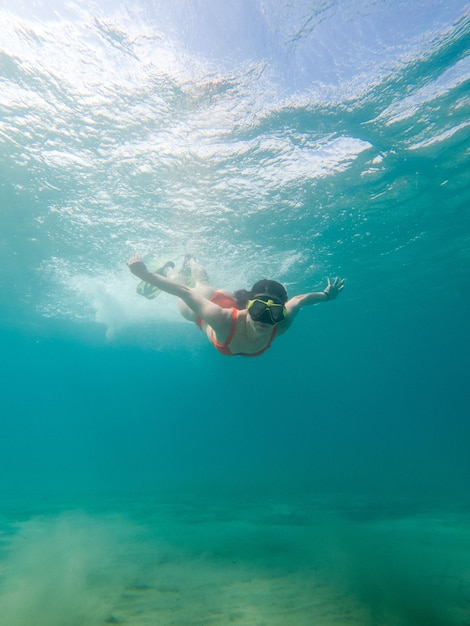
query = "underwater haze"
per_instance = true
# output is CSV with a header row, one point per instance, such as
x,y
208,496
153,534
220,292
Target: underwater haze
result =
x,y
144,477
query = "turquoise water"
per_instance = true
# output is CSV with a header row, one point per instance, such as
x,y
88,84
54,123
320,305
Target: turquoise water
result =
x,y
146,479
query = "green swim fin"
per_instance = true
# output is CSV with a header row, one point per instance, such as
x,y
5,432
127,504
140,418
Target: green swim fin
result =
x,y
151,292
148,290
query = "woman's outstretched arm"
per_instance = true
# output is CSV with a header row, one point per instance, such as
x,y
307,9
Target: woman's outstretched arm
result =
x,y
219,319
295,303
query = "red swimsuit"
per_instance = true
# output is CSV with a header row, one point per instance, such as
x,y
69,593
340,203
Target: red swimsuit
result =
x,y
226,301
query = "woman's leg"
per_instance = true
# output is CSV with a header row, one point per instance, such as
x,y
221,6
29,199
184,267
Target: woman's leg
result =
x,y
191,269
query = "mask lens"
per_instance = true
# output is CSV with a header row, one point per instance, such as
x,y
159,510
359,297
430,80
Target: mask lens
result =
x,y
277,313
257,308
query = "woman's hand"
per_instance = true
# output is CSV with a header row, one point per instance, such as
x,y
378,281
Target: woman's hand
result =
x,y
333,288
137,266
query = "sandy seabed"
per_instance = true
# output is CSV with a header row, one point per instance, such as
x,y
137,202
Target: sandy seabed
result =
x,y
184,561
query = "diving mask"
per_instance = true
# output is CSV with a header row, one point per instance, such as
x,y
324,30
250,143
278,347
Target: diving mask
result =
x,y
264,309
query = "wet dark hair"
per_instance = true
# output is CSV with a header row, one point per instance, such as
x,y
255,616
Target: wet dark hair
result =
x,y
263,287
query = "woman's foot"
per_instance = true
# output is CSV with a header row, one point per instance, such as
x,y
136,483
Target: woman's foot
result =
x,y
192,268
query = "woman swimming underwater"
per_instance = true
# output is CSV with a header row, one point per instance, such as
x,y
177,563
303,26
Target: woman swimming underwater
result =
x,y
243,324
